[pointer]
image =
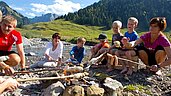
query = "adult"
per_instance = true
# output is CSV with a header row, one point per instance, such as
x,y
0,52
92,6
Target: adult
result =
x,y
53,53
156,51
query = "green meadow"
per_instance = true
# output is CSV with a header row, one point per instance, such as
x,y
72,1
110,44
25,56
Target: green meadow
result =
x,y
68,30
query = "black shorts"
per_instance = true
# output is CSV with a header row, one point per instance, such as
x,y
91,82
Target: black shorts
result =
x,y
6,53
150,53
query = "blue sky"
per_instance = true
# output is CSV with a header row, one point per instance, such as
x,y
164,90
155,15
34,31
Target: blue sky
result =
x,y
32,8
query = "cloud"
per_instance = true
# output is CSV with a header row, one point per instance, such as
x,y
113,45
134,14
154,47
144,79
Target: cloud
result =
x,y
17,8
30,14
59,7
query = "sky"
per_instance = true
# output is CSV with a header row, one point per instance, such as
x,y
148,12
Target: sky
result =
x,y
32,8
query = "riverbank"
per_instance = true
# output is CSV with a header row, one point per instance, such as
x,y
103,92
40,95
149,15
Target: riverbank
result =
x,y
140,83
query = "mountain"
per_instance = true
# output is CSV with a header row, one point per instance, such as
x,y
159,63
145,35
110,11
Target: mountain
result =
x,y
105,12
43,18
6,10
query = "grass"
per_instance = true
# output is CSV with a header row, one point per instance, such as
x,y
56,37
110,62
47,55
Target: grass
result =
x,y
68,30
138,87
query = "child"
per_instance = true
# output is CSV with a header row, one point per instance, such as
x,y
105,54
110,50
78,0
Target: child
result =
x,y
8,84
117,36
112,59
9,36
131,37
127,47
131,33
77,53
101,47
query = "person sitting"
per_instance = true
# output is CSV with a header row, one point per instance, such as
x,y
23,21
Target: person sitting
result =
x,y
8,37
156,51
126,47
117,36
116,39
100,47
8,84
53,53
112,58
77,53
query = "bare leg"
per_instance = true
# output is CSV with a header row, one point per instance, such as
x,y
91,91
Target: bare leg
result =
x,y
160,57
13,60
129,55
143,56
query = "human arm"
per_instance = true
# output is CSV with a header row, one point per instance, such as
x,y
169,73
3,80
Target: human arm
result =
x,y
72,52
21,53
60,52
139,41
9,84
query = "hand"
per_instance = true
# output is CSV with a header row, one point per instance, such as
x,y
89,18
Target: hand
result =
x,y
9,70
12,84
154,68
50,58
2,79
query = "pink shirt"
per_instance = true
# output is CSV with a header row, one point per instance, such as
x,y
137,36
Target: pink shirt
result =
x,y
161,40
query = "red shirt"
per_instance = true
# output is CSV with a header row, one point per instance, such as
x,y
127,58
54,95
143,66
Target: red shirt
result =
x,y
7,40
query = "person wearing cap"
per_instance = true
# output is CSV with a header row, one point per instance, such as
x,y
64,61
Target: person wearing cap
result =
x,y
101,47
53,53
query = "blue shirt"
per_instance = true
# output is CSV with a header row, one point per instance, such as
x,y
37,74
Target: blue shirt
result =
x,y
78,53
132,36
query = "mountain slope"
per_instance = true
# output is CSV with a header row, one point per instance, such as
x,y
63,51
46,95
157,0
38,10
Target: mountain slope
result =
x,y
44,18
6,10
106,11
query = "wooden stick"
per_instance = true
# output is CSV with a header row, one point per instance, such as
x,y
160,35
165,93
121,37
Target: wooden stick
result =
x,y
133,62
49,69
78,75
45,78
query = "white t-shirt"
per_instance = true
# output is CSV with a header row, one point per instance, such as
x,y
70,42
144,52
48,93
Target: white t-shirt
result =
x,y
57,53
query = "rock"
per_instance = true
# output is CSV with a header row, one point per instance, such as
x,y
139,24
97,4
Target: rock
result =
x,y
30,54
113,87
74,91
56,89
26,42
95,90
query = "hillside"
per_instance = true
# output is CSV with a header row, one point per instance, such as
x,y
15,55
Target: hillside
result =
x,y
6,10
106,11
69,30
44,18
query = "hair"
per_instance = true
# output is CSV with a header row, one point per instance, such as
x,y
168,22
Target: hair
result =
x,y
81,39
10,19
56,35
118,23
134,20
160,21
1,15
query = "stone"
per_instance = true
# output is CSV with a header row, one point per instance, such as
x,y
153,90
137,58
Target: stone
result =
x,y
113,87
74,91
95,90
56,89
